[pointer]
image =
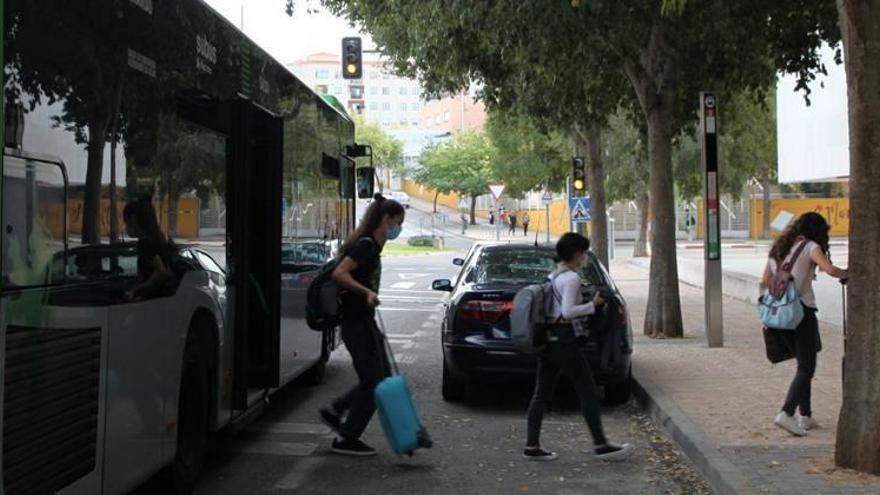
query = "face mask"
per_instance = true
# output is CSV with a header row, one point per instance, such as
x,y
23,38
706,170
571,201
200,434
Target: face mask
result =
x,y
393,232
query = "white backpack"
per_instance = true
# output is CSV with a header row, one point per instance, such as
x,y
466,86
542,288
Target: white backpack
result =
x,y
529,317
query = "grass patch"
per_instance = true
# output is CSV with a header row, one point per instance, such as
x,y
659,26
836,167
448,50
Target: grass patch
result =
x,y
403,249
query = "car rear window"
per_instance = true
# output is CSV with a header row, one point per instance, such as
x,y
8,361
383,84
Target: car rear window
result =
x,y
527,267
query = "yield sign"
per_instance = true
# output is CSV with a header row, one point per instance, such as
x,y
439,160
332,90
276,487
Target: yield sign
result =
x,y
497,190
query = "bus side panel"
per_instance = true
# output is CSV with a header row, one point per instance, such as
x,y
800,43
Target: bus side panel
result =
x,y
144,337
54,392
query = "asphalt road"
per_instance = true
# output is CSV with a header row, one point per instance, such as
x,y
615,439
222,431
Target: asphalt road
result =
x,y
478,443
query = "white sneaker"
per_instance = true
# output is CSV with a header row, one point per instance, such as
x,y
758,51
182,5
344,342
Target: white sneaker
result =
x,y
807,423
613,452
789,424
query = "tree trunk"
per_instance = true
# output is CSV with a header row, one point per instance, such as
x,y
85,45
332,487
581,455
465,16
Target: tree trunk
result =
x,y
664,305
436,195
114,219
765,184
474,209
599,219
91,220
858,429
640,249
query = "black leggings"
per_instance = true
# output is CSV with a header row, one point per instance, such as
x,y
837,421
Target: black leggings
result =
x,y
806,343
564,356
362,339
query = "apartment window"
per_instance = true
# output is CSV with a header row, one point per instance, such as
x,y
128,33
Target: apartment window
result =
x,y
414,91
386,123
446,116
386,90
374,74
386,106
414,123
321,89
402,91
386,75
374,90
322,74
357,92
374,106
403,107
337,75
337,90
414,107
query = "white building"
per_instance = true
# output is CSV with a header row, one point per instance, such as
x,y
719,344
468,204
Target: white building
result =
x,y
813,141
381,97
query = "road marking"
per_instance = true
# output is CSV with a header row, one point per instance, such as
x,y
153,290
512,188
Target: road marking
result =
x,y
298,474
296,428
403,285
413,310
429,324
409,291
405,359
294,449
410,276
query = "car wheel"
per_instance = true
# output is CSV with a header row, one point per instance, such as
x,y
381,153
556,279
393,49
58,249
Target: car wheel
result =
x,y
619,393
192,419
453,388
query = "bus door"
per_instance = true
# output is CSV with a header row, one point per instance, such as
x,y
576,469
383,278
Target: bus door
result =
x,y
255,204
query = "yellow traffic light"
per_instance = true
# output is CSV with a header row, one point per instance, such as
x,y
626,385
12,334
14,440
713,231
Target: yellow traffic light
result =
x,y
351,68
578,185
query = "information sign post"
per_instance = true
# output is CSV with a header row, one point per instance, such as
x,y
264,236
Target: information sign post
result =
x,y
712,220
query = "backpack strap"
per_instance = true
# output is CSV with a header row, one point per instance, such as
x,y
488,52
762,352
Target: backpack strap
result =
x,y
797,252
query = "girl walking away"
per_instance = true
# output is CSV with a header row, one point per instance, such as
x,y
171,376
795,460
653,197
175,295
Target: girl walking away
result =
x,y
512,220
562,355
358,274
525,222
805,245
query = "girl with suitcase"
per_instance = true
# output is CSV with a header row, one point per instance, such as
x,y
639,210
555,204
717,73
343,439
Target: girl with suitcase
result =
x,y
358,275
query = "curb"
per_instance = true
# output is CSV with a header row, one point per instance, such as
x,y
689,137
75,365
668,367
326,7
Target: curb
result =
x,y
720,473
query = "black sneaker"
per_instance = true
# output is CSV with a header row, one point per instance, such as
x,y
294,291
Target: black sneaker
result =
x,y
352,447
332,418
613,452
538,454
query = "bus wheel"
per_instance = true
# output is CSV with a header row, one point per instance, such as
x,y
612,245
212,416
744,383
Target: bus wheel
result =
x,y
315,375
192,418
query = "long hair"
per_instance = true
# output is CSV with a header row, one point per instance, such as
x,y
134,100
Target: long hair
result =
x,y
143,214
373,219
811,226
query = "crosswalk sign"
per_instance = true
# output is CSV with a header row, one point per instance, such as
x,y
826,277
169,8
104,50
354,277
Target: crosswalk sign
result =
x,y
579,210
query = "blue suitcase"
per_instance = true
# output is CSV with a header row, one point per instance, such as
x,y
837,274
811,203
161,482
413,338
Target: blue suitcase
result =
x,y
397,411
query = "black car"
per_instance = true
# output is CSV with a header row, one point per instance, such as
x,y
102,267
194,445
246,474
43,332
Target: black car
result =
x,y
476,326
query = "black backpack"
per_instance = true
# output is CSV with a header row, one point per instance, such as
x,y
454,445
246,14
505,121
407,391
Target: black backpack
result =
x,y
323,308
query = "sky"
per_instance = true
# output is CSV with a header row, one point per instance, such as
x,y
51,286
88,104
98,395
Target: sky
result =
x,y
289,39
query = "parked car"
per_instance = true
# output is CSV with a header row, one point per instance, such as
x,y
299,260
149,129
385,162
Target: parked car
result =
x,y
399,196
476,326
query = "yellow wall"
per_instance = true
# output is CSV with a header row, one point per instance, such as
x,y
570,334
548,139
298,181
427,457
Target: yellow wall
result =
x,y
835,211
427,194
187,217
559,222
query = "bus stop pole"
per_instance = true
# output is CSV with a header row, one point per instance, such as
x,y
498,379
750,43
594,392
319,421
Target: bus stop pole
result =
x,y
712,220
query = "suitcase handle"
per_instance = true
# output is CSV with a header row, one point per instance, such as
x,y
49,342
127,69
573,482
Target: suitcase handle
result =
x,y
382,335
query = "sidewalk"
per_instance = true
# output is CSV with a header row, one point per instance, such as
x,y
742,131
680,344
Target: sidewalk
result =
x,y
480,232
719,404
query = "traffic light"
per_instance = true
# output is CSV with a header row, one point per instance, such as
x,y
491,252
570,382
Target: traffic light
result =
x,y
352,65
578,176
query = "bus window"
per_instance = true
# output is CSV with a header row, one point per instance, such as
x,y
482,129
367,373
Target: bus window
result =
x,y
34,222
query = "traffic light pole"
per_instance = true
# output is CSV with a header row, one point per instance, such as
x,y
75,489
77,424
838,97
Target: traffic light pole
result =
x,y
712,219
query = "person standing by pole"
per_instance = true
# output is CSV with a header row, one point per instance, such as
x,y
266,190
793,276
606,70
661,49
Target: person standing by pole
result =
x,y
525,222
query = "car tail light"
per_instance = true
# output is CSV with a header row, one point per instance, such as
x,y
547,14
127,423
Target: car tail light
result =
x,y
489,311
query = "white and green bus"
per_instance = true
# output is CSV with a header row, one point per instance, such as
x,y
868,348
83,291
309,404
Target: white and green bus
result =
x,y
164,107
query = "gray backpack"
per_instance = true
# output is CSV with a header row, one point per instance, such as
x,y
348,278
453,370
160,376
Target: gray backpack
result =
x,y
529,317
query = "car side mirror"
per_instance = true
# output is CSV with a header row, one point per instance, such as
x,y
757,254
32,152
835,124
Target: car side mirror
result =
x,y
458,262
442,285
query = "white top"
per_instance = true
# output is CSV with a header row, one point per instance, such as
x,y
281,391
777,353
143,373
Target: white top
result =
x,y
803,271
567,287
